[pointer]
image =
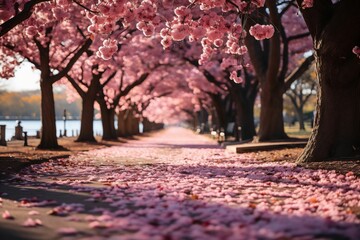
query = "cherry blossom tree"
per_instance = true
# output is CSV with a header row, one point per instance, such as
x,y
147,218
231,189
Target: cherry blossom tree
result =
x,y
43,41
160,84
88,84
332,25
90,76
218,82
171,109
223,26
141,57
130,114
139,104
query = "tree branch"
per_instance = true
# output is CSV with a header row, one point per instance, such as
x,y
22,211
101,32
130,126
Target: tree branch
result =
x,y
137,82
66,57
108,79
20,17
86,8
72,61
76,86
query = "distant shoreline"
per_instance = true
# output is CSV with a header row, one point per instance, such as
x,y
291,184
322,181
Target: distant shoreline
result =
x,y
13,118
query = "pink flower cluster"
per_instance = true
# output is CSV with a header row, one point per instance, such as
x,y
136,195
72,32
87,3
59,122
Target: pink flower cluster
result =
x,y
261,32
148,29
237,79
307,3
356,51
31,31
108,49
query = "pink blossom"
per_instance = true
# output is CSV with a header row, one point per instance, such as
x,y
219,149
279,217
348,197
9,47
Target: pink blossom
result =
x,y
179,32
235,78
356,51
31,31
307,3
67,231
33,212
32,223
108,49
7,215
218,42
261,32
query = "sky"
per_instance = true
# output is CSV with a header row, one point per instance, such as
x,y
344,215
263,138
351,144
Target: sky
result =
x,y
25,79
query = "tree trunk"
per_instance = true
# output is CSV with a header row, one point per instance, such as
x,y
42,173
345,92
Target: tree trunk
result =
x,y
244,107
107,121
128,123
112,123
146,124
135,126
300,118
48,131
87,120
271,115
220,111
336,132
121,124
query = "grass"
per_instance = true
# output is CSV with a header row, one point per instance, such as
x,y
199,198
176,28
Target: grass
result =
x,y
293,131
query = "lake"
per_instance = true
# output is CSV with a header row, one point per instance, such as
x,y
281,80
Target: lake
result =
x,y
31,126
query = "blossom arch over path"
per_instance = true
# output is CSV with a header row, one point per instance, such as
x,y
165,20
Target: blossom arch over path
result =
x,y
162,187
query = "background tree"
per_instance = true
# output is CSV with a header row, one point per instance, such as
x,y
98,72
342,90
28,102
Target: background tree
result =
x,y
272,60
43,41
141,57
299,94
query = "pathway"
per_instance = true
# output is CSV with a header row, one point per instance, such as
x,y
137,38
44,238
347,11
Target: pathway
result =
x,y
177,185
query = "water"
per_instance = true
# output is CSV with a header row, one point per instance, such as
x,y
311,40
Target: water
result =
x,y
31,126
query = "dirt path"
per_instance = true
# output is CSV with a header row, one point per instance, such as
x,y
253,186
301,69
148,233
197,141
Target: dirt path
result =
x,y
177,185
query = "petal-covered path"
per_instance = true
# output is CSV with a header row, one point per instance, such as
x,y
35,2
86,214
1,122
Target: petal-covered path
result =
x,y
177,185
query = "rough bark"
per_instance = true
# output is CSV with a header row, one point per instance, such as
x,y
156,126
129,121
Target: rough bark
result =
x,y
48,131
336,132
87,120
